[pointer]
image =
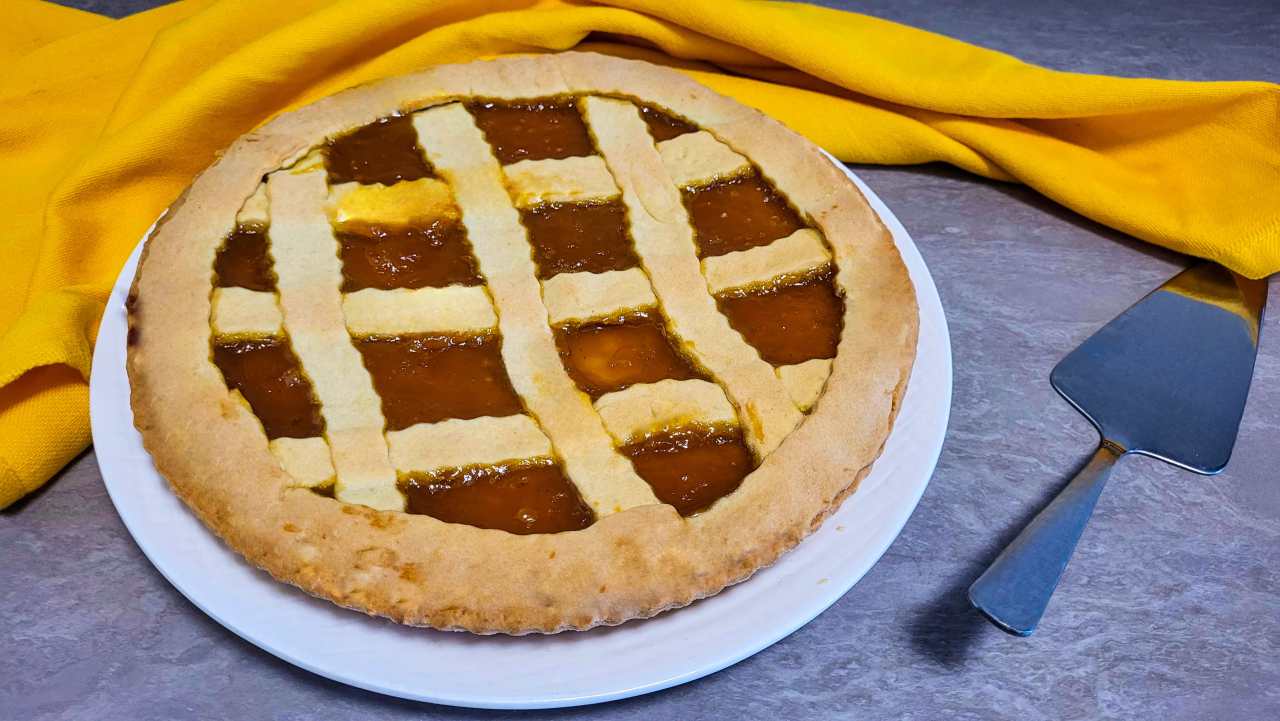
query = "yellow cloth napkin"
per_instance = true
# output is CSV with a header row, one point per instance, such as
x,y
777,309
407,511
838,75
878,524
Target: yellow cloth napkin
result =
x,y
104,122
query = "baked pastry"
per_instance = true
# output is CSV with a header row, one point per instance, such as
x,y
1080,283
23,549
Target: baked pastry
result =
x,y
522,345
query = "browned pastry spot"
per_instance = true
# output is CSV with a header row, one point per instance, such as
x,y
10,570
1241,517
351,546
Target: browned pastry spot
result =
x,y
434,256
737,214
426,378
691,467
533,130
243,261
663,126
525,497
788,322
384,151
611,355
579,237
268,375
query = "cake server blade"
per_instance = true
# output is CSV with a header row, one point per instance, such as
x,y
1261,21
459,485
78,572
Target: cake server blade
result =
x,y
1168,378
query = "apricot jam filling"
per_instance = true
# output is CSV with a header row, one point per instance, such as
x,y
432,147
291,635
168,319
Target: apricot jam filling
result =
x,y
524,497
737,214
691,467
579,237
610,355
243,261
791,321
431,377
385,151
663,126
533,129
381,257
268,375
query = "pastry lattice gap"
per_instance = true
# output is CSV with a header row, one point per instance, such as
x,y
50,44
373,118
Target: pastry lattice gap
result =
x,y
431,218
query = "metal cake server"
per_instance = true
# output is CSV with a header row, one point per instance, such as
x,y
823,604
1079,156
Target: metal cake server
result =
x,y
1168,379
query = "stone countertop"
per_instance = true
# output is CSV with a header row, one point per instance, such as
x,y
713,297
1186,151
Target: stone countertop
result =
x,y
1170,610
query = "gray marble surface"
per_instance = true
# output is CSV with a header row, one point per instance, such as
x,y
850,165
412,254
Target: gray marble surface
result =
x,y
1170,610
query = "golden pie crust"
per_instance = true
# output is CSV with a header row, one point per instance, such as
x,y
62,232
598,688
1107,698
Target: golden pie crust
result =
x,y
639,557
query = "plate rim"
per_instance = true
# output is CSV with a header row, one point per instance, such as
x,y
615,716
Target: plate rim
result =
x,y
112,429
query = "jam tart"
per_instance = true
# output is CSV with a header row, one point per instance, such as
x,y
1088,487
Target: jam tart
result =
x,y
522,345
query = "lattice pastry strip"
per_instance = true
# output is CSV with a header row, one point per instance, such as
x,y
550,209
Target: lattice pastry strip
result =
x,y
457,443
255,211
307,460
804,381
643,408
452,309
664,242
699,159
566,180
240,312
404,203
586,296
798,253
459,152
309,276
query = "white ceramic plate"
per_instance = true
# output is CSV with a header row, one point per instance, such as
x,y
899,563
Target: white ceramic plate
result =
x,y
533,671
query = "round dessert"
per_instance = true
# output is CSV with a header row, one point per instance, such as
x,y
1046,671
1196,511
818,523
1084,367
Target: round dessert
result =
x,y
524,345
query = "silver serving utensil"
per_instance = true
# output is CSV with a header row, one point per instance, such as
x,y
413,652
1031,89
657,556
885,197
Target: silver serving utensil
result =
x,y
1168,379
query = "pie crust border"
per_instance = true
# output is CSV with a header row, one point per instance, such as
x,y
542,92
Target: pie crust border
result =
x,y
418,570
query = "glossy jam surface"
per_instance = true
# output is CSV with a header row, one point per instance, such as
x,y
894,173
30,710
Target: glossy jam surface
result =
x,y
243,261
526,497
663,126
429,378
434,256
790,322
579,237
738,214
609,356
533,130
385,151
693,466
268,375
432,377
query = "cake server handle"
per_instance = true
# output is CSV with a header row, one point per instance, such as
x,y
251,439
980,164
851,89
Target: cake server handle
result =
x,y
1015,590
